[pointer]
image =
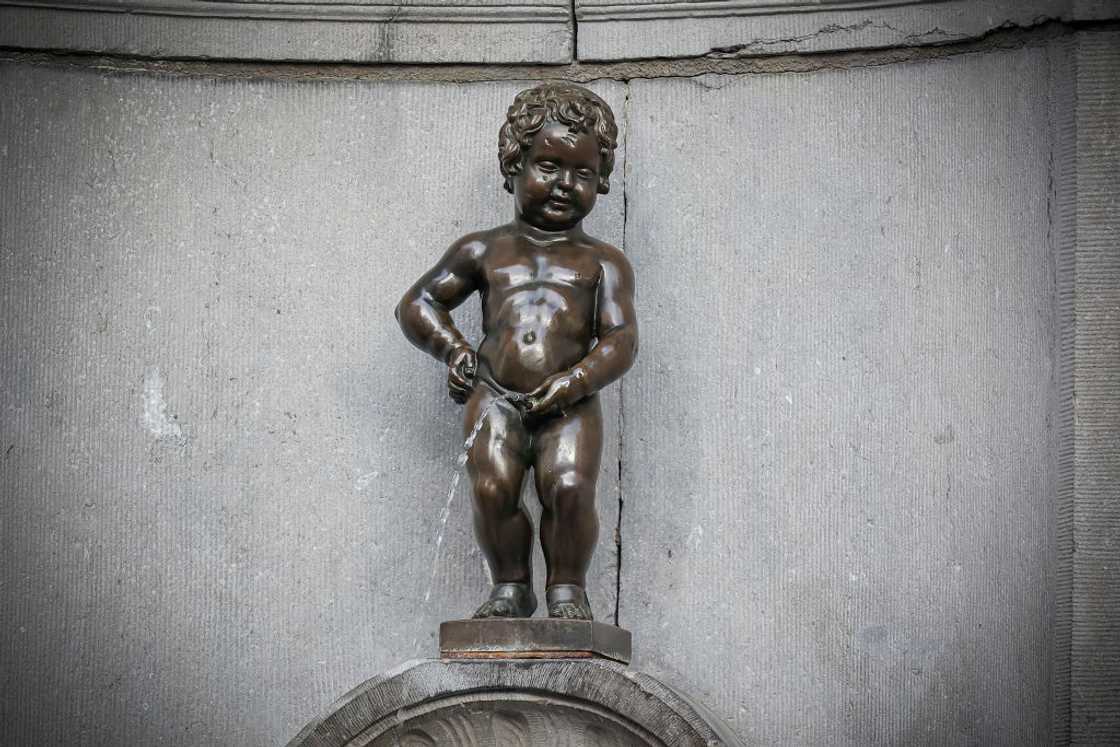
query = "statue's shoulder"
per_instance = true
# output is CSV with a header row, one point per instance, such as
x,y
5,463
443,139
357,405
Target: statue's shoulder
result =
x,y
608,253
474,246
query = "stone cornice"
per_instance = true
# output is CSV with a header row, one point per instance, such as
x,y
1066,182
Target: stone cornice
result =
x,y
612,10
522,32
431,32
549,11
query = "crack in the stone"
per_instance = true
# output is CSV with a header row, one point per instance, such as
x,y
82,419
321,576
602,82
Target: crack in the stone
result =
x,y
575,32
621,386
831,28
758,46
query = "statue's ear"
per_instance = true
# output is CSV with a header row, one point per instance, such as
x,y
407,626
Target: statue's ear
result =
x,y
513,170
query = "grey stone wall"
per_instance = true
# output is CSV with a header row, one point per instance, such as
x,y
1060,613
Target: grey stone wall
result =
x,y
837,472
847,497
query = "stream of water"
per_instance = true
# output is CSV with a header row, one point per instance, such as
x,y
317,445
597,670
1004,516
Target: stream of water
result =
x,y
453,489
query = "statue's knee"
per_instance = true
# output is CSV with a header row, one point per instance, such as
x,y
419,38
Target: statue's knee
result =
x,y
570,492
493,496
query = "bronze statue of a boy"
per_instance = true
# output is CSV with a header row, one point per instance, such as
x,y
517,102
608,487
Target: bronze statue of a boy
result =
x,y
558,326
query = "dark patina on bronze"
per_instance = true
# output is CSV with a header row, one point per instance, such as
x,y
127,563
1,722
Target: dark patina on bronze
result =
x,y
558,325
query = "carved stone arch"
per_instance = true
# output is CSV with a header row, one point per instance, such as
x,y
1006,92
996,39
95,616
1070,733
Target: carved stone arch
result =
x,y
575,703
510,719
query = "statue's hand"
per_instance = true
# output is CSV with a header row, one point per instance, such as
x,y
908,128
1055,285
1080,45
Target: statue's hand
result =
x,y
461,368
557,392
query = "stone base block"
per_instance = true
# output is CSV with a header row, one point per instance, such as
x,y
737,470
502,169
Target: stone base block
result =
x,y
532,638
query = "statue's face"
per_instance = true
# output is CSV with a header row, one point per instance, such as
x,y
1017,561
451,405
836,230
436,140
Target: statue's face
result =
x,y
559,178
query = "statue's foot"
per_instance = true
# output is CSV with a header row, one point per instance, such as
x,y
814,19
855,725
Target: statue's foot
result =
x,y
568,602
509,600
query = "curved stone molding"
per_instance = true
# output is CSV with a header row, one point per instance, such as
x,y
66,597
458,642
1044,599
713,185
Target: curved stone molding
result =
x,y
433,31
538,703
639,29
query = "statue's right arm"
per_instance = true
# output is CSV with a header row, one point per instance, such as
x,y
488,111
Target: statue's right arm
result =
x,y
424,312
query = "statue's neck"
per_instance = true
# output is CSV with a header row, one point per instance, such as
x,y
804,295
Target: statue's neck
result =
x,y
543,237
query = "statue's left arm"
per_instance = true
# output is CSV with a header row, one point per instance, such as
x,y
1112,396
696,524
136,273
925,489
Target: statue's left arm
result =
x,y
616,341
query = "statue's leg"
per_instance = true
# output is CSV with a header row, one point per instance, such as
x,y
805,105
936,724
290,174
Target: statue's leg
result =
x,y
496,462
567,452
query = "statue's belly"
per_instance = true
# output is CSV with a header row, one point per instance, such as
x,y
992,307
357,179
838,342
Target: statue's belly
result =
x,y
534,335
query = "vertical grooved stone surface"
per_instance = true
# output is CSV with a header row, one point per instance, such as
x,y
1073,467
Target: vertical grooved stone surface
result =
x,y
224,473
1063,205
838,440
1095,644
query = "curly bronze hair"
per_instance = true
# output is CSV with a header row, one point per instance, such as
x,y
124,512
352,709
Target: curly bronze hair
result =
x,y
567,104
